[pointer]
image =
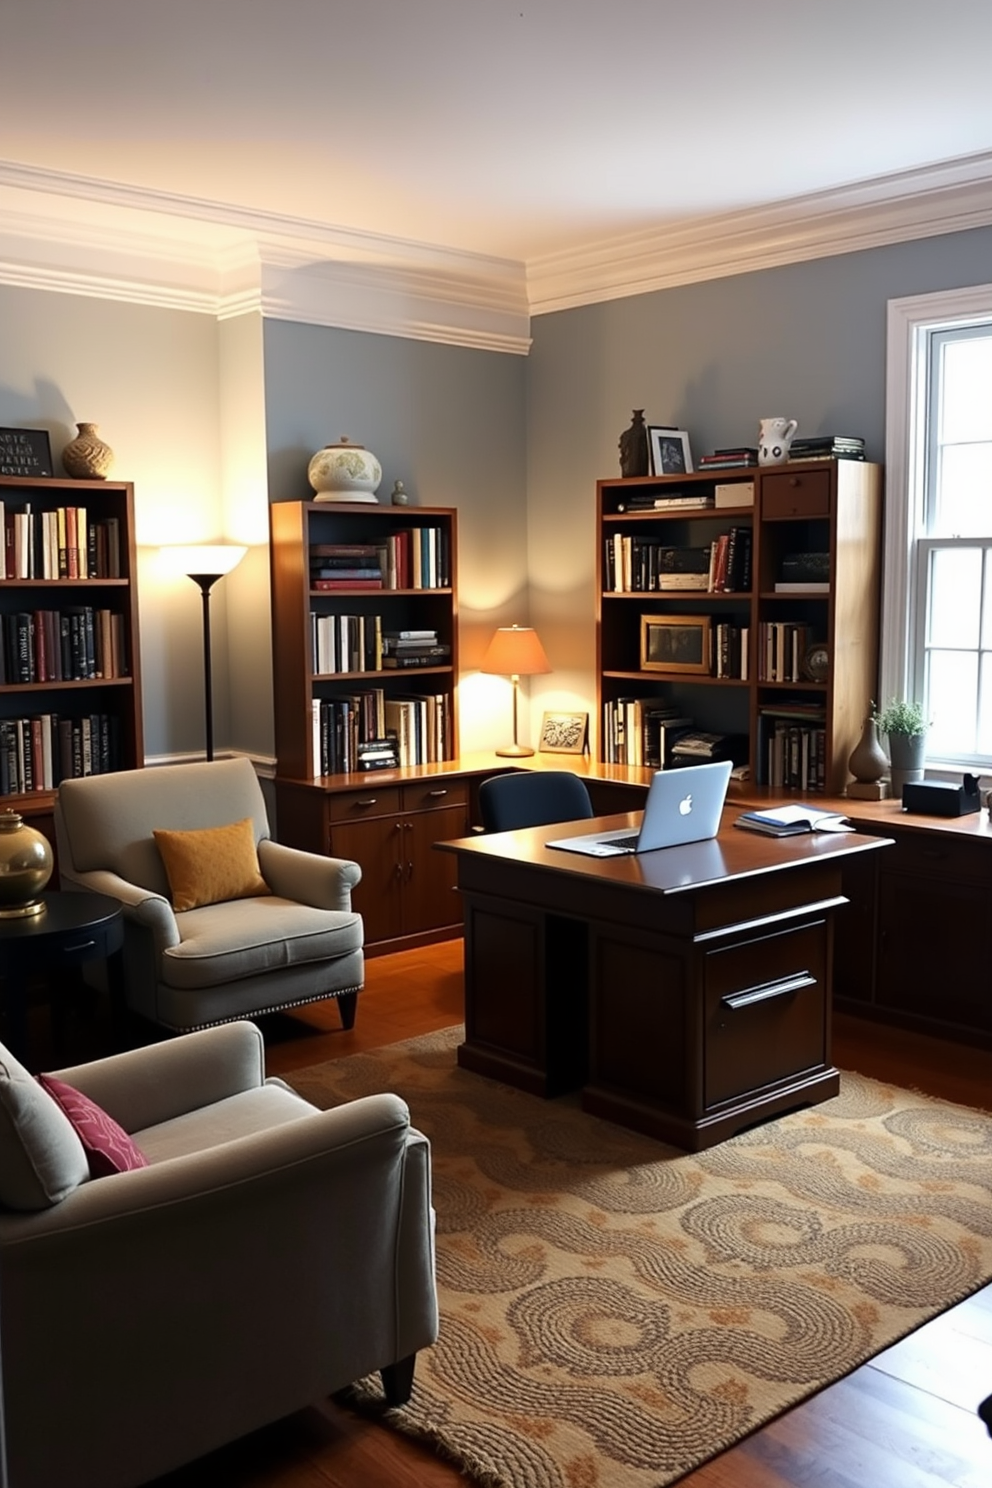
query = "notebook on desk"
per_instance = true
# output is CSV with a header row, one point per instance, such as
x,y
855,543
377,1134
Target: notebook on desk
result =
x,y
682,805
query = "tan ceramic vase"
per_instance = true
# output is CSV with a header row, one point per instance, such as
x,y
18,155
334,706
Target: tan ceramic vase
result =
x,y
87,457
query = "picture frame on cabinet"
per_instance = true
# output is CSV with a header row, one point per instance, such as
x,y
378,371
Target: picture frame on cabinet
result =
x,y
675,643
25,452
564,733
669,451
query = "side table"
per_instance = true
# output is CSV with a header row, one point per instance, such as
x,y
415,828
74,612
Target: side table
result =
x,y
74,928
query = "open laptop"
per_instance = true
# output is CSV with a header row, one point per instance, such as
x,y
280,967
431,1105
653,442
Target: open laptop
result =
x,y
683,805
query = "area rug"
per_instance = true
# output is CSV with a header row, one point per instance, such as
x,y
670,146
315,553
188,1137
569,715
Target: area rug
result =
x,y
614,1312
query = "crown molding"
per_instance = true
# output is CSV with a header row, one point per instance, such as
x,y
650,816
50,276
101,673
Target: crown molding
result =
x,y
76,235
926,202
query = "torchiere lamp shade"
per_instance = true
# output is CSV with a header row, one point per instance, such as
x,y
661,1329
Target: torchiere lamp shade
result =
x,y
515,651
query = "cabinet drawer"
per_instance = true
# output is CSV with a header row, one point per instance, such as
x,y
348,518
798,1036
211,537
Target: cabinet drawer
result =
x,y
362,804
794,495
765,1011
430,795
943,854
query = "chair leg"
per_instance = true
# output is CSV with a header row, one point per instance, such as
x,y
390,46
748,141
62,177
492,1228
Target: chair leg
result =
x,y
348,1003
397,1381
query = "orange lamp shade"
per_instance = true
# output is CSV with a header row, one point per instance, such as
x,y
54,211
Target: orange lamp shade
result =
x,y
515,651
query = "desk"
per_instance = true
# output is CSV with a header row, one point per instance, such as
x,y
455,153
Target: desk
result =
x,y
75,928
685,992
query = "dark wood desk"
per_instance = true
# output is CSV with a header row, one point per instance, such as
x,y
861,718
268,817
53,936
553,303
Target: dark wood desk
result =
x,y
686,992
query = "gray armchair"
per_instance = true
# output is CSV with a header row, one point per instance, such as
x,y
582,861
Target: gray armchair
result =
x,y
298,943
268,1254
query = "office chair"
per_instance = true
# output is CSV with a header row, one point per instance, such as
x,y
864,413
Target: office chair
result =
x,y
532,799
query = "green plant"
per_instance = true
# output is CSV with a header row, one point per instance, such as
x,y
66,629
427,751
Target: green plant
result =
x,y
901,716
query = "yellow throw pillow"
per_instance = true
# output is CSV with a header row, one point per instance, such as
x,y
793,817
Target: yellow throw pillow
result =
x,y
211,865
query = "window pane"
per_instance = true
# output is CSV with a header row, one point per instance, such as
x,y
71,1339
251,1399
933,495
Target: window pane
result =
x,y
985,717
967,380
952,687
955,594
963,504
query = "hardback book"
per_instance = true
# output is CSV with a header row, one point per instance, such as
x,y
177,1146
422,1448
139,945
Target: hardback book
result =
x,y
788,821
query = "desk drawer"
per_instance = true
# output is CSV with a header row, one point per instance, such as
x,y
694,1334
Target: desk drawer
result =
x,y
362,804
765,1011
793,495
431,795
940,853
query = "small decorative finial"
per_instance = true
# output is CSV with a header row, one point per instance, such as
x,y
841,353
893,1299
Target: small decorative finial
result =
x,y
399,495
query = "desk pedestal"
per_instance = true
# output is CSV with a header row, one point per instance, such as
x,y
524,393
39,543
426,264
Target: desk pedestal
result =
x,y
687,1017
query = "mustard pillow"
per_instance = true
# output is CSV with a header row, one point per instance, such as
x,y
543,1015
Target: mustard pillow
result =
x,y
211,865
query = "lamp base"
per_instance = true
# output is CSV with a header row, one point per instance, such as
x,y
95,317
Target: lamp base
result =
x,y
514,751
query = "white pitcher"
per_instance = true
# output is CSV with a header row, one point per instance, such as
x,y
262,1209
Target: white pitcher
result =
x,y
774,438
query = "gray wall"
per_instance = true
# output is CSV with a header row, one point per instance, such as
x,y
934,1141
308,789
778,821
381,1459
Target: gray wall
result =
x,y
806,341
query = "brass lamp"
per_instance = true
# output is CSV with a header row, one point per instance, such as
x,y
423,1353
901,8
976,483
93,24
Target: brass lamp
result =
x,y
515,652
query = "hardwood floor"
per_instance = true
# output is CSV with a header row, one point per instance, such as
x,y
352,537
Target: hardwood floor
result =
x,y
905,1420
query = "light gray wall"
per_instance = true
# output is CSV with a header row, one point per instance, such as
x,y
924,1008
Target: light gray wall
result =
x,y
806,341
447,421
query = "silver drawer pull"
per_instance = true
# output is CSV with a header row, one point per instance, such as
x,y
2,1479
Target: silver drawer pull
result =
x,y
372,801
84,945
765,990
434,794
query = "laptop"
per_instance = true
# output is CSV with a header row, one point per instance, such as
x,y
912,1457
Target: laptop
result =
x,y
683,805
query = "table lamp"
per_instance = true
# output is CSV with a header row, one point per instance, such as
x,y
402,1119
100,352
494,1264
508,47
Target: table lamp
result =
x,y
205,563
515,652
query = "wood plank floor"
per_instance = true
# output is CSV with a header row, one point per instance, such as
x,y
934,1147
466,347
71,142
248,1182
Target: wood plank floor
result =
x,y
905,1420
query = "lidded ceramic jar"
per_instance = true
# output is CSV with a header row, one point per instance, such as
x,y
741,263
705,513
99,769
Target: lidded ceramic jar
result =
x,y
344,472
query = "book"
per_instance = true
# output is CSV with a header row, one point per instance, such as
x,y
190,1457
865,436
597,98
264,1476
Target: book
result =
x,y
788,821
677,503
808,588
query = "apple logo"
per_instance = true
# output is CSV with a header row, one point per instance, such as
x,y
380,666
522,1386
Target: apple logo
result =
x,y
685,805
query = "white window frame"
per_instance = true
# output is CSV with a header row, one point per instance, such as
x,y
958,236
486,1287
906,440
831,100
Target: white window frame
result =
x,y
905,452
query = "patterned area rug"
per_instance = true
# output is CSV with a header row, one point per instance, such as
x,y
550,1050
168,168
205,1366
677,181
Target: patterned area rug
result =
x,y
614,1312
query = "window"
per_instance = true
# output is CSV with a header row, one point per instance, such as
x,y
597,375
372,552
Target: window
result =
x,y
937,611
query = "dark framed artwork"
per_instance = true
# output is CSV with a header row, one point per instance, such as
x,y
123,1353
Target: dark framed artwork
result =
x,y
25,452
669,451
675,643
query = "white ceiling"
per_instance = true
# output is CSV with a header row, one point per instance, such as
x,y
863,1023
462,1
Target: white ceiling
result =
x,y
525,130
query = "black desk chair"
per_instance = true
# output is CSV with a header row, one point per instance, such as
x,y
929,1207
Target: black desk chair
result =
x,y
532,799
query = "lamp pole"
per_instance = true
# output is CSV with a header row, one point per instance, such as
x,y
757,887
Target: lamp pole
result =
x,y
206,583
205,563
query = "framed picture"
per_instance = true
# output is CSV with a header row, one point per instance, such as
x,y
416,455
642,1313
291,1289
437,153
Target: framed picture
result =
x,y
25,452
669,451
564,733
675,643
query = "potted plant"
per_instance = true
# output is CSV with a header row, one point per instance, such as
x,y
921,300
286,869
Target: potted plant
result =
x,y
904,724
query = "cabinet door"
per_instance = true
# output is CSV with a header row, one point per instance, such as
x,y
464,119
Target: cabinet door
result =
x,y
375,844
430,897
933,947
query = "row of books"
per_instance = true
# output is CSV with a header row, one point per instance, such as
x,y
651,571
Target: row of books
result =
x,y
38,752
78,643
341,644
793,751
828,447
699,746
734,457
59,544
730,650
641,501
411,558
782,648
636,565
421,727
642,731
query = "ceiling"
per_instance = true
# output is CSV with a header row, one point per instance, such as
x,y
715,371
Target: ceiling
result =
x,y
523,130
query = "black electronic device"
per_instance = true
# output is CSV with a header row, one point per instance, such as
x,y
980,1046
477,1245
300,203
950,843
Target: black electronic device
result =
x,y
942,797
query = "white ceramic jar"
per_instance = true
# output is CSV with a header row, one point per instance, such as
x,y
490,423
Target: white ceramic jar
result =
x,y
344,472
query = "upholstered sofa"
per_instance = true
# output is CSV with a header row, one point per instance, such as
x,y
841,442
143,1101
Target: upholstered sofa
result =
x,y
287,936
267,1254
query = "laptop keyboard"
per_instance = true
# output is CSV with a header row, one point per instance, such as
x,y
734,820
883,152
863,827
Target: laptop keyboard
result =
x,y
625,844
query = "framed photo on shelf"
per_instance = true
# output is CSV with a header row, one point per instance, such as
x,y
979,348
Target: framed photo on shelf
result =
x,y
669,451
675,643
564,733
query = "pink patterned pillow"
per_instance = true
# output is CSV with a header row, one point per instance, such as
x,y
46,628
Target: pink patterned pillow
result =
x,y
108,1147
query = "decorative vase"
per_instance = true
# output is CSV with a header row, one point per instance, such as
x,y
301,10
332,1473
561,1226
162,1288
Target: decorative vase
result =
x,y
634,446
26,864
344,472
868,761
87,457
908,754
399,495
775,436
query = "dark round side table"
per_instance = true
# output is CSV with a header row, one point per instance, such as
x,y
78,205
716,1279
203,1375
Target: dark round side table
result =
x,y
73,929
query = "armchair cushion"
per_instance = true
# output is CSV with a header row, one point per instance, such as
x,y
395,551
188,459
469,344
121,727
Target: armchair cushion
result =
x,y
107,1145
41,1158
211,865
253,936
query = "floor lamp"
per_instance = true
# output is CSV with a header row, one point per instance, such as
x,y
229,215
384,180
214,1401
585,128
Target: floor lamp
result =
x,y
205,564
515,652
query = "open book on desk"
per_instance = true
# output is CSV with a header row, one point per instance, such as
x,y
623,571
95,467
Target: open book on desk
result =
x,y
786,821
